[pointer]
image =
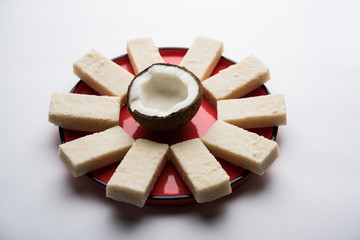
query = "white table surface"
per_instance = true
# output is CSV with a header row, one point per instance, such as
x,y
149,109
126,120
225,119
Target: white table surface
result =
x,y
312,48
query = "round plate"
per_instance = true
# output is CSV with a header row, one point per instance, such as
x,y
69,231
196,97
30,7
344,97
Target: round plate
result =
x,y
169,189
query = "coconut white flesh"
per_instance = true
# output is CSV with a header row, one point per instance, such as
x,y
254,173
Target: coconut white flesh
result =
x,y
162,90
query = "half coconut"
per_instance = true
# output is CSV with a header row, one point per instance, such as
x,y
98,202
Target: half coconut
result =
x,y
164,97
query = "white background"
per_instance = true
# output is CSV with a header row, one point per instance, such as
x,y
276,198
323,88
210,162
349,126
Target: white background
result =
x,y
312,48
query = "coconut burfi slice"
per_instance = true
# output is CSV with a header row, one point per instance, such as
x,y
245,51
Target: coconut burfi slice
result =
x,y
202,173
103,75
253,112
143,53
137,173
240,147
202,57
94,151
236,80
84,112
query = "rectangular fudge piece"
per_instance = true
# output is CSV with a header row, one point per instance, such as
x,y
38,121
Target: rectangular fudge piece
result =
x,y
202,57
253,112
103,75
143,53
236,80
94,151
84,112
240,147
137,173
202,173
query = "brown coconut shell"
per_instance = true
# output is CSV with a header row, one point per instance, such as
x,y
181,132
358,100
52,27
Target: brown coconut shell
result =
x,y
173,120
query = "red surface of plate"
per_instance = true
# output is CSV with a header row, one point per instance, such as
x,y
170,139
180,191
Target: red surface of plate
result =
x,y
169,188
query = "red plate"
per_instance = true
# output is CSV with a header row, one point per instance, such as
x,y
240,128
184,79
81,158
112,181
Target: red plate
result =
x,y
169,188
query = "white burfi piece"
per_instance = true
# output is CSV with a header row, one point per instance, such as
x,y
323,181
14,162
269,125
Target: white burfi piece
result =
x,y
94,151
202,173
143,53
137,173
253,112
240,147
84,112
103,75
236,80
202,57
